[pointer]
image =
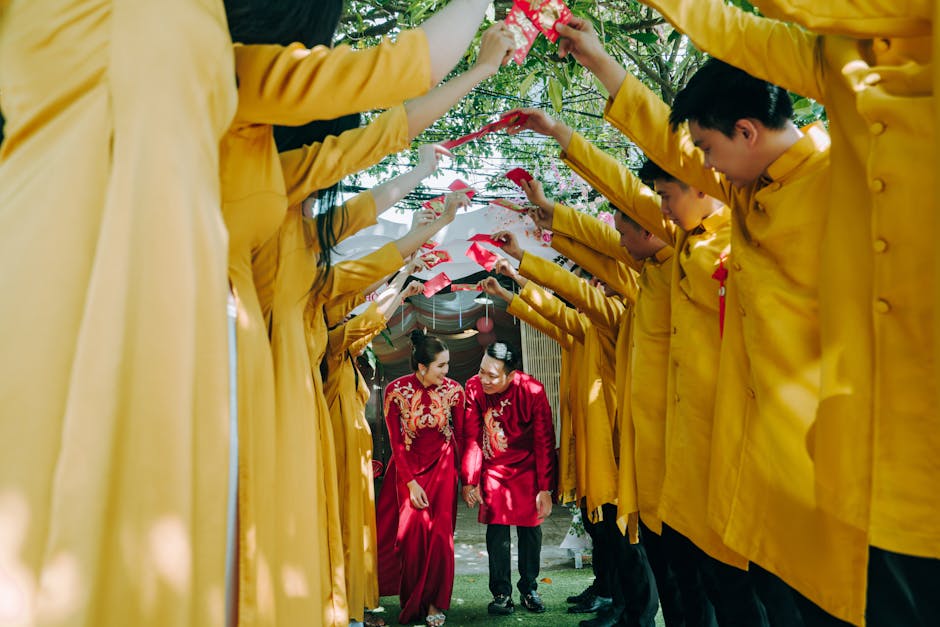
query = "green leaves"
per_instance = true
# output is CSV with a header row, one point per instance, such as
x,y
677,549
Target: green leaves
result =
x,y
555,93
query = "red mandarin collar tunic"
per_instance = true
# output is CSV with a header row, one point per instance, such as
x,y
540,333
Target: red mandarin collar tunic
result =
x,y
507,442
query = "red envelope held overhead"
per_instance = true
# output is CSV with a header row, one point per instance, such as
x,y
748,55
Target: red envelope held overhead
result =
x,y
546,15
486,239
435,257
523,32
435,285
518,175
508,204
482,256
464,287
459,185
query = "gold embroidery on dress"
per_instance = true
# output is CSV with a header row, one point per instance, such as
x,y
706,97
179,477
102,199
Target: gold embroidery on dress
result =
x,y
416,414
494,438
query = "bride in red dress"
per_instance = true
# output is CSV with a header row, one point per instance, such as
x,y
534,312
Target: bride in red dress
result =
x,y
417,508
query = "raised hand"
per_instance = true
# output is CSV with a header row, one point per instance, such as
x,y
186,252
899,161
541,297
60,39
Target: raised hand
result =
x,y
491,286
429,157
412,289
496,47
510,246
538,122
580,40
536,194
452,202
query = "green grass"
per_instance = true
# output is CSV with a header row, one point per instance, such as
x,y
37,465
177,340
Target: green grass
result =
x,y
471,596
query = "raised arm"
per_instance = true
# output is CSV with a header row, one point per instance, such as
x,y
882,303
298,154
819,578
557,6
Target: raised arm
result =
x,y
778,52
604,173
863,19
602,310
293,85
495,48
523,311
619,276
556,312
619,185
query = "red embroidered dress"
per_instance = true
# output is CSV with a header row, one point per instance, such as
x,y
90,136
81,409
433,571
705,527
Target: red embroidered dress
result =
x,y
508,446
416,547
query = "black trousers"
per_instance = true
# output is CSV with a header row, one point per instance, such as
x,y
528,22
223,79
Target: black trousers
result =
x,y
684,558
902,590
601,556
633,585
530,550
667,584
731,591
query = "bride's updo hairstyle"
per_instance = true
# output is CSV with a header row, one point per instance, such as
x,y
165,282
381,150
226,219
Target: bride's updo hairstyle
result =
x,y
424,349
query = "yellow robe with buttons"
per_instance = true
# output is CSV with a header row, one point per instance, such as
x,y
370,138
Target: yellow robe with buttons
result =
x,y
599,265
596,446
649,351
595,473
693,363
278,85
595,247
114,366
876,327
762,477
347,394
572,352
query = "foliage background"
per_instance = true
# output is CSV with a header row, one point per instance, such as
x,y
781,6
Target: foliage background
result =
x,y
639,37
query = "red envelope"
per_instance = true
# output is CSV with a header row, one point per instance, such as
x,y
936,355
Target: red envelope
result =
x,y
451,143
523,32
436,284
458,185
508,204
508,120
545,15
464,287
487,239
435,257
482,256
518,175
435,204
429,245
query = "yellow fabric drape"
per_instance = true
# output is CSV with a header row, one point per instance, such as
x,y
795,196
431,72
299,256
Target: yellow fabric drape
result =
x,y
114,367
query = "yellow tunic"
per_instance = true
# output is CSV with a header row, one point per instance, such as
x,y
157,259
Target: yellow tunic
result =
x,y
309,537
651,331
761,486
113,375
876,327
347,394
290,85
595,452
572,351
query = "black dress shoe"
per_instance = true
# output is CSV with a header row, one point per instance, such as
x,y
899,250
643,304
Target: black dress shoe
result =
x,y
501,605
533,602
581,598
609,617
591,605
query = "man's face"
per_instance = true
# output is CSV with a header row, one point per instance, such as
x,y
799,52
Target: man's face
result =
x,y
493,375
681,204
631,238
732,156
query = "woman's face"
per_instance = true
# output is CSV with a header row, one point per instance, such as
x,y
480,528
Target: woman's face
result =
x,y
435,372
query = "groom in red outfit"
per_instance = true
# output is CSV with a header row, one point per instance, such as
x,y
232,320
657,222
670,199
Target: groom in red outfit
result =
x,y
508,467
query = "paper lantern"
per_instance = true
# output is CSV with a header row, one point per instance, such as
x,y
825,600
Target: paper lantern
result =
x,y
484,325
485,339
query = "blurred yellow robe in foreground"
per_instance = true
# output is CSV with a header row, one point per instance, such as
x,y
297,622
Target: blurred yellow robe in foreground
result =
x,y
114,364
